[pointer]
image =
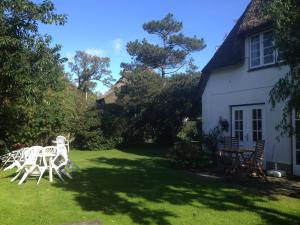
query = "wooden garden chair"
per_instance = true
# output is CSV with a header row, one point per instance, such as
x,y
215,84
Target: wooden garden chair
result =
x,y
256,163
226,158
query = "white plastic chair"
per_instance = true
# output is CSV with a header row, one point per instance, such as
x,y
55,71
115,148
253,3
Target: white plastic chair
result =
x,y
11,157
31,167
62,140
60,161
18,159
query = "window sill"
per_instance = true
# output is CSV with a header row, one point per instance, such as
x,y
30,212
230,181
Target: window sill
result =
x,y
266,66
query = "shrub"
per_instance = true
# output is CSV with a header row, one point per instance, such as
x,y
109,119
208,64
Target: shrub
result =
x,y
89,135
187,152
188,155
191,130
211,139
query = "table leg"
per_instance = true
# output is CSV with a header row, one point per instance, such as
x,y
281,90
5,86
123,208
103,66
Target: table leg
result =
x,y
50,173
235,163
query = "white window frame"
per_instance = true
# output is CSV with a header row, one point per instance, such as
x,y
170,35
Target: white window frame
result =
x,y
261,50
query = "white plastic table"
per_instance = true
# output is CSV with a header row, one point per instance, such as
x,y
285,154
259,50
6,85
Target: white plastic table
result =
x,y
49,157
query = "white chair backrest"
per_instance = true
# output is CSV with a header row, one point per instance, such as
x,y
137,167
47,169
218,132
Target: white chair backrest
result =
x,y
22,153
61,140
50,149
62,150
31,154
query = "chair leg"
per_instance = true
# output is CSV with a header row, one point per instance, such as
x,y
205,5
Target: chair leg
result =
x,y
66,174
59,175
71,165
260,169
15,177
42,173
5,163
23,178
10,166
27,172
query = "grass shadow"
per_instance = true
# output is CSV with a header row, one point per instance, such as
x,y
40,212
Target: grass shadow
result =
x,y
121,186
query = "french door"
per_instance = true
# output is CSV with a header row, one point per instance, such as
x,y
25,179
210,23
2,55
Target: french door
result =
x,y
296,142
247,124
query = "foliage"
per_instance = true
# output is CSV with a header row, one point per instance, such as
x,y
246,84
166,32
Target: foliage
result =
x,y
211,140
187,152
55,115
176,101
136,100
87,127
37,102
285,16
90,68
113,124
150,108
190,131
174,51
188,156
89,136
28,65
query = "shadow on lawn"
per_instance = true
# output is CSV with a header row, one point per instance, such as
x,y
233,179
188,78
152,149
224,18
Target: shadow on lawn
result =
x,y
120,186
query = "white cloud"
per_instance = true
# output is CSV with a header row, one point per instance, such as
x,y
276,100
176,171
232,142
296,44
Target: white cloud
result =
x,y
95,51
117,45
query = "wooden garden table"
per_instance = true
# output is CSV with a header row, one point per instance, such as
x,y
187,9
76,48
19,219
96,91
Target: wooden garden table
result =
x,y
238,153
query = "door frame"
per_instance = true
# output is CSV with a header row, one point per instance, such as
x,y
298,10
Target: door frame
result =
x,y
252,105
296,171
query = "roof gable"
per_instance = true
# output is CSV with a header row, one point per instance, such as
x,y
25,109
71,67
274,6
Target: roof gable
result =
x,y
232,51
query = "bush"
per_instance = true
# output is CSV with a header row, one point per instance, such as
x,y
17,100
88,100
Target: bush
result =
x,y
188,155
177,100
187,152
191,130
211,139
89,135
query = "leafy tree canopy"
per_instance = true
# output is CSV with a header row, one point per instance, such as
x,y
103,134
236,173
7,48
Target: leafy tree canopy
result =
x,y
176,47
90,68
28,65
285,16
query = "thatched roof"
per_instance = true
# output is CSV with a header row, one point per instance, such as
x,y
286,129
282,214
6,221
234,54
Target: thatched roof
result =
x,y
253,16
231,52
110,96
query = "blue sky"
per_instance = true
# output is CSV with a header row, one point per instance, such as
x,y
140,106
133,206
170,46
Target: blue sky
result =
x,y
103,27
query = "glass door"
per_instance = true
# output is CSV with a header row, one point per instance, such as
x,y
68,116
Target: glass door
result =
x,y
238,124
247,124
256,131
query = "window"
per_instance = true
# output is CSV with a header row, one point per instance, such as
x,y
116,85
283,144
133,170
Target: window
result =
x,y
268,46
255,51
262,49
238,124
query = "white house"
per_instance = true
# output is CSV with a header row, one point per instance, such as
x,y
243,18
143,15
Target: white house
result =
x,y
235,86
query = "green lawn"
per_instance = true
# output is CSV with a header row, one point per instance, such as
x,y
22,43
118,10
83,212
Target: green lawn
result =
x,y
137,187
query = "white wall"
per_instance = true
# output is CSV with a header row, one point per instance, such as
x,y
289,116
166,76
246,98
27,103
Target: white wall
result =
x,y
236,85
